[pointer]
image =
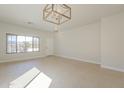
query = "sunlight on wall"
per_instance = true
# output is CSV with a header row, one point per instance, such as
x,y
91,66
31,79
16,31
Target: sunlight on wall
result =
x,y
32,79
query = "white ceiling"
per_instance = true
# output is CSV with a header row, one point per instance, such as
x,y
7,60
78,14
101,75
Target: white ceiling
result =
x,y
81,15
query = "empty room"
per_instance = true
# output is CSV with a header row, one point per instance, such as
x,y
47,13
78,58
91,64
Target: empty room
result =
x,y
61,46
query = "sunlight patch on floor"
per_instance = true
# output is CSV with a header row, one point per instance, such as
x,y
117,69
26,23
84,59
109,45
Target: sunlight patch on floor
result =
x,y
31,79
41,81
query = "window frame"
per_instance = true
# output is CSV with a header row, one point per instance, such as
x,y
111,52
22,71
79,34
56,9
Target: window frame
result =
x,y
7,34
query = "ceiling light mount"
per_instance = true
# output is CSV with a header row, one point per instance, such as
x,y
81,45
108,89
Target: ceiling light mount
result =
x,y
29,22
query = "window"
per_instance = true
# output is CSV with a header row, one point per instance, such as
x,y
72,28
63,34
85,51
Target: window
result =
x,y
11,43
21,44
36,44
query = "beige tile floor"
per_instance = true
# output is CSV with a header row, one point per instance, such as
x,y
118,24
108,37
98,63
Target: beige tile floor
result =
x,y
65,73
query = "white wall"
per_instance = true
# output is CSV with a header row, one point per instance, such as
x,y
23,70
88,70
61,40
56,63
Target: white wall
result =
x,y
112,42
9,28
100,43
80,43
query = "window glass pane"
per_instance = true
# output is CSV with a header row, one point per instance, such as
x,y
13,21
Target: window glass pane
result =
x,y
14,38
9,38
36,44
8,44
20,43
11,43
28,44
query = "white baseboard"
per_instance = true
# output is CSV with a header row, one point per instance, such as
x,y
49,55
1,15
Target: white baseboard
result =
x,y
112,68
74,58
89,61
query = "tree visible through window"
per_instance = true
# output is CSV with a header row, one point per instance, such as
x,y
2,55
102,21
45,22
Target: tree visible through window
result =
x,y
20,44
29,44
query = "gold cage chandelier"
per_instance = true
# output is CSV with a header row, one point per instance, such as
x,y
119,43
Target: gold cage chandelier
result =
x,y
56,13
